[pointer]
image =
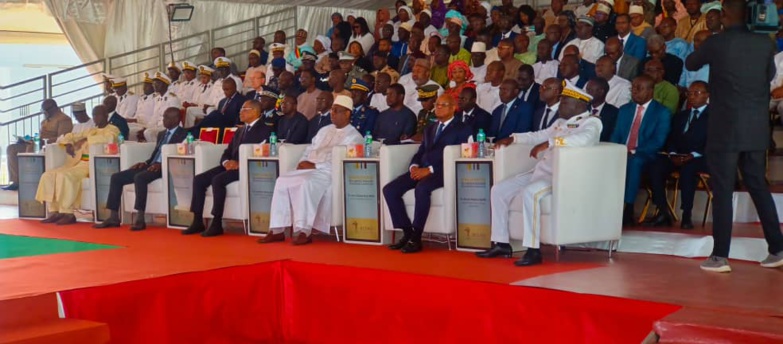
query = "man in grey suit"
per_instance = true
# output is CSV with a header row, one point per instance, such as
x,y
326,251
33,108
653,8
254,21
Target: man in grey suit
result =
x,y
627,65
741,68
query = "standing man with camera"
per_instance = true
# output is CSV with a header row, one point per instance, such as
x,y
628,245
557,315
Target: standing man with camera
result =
x,y
741,68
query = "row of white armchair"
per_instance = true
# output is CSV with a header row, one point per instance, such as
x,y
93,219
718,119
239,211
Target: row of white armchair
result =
x,y
585,205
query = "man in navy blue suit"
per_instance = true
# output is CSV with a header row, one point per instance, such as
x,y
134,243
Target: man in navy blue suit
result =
x,y
470,114
685,147
513,115
642,125
632,44
425,175
227,113
569,70
546,113
598,88
586,68
528,88
505,24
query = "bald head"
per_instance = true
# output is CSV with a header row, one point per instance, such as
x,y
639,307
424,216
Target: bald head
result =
x,y
100,116
613,48
49,107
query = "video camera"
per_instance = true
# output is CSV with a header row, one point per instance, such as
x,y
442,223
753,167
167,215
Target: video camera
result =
x,y
762,16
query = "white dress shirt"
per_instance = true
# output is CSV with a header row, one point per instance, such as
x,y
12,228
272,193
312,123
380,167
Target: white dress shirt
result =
x,y
619,91
543,71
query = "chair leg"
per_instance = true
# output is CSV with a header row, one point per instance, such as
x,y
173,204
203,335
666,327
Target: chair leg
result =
x,y
709,202
337,233
611,248
557,253
646,206
448,241
673,203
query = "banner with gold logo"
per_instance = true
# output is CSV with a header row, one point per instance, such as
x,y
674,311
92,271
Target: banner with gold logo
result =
x,y
362,201
474,183
262,175
31,167
105,167
181,171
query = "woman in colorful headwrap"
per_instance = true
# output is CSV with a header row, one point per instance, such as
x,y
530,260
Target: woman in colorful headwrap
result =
x,y
405,15
460,77
458,20
438,9
669,8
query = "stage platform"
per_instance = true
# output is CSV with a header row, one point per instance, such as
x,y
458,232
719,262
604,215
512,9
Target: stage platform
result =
x,y
160,286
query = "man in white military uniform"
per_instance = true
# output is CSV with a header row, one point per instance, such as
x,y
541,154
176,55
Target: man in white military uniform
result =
x,y
126,100
163,100
305,190
574,128
145,109
187,87
223,70
174,72
202,97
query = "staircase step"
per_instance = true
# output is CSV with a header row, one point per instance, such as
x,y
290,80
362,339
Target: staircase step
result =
x,y
28,310
61,331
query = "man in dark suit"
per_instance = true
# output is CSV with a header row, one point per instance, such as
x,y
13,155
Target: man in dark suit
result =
x,y
642,125
470,114
598,88
586,69
142,174
738,131
627,66
292,126
227,113
569,70
505,24
116,119
672,65
425,176
254,131
529,90
546,113
512,116
685,148
632,44
323,105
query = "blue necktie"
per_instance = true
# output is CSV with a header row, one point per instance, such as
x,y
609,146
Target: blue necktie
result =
x,y
439,131
692,118
165,141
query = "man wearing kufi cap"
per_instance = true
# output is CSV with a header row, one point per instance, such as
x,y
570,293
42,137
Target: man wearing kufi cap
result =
x,y
163,101
300,200
188,87
83,120
363,116
174,72
126,100
604,23
575,127
202,96
478,54
590,47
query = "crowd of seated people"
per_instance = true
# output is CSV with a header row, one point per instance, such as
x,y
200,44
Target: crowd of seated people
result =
x,y
503,70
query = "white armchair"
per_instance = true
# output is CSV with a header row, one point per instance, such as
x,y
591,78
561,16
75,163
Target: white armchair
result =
x,y
208,157
395,161
130,154
55,156
587,194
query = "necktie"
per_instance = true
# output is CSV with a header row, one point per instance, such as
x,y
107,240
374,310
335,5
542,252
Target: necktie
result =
x,y
522,95
691,119
503,115
545,120
595,111
242,138
622,42
165,141
633,136
439,131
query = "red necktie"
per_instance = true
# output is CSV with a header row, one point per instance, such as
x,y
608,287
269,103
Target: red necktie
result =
x,y
633,136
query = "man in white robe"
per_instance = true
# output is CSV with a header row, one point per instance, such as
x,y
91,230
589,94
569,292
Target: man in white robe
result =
x,y
574,128
301,199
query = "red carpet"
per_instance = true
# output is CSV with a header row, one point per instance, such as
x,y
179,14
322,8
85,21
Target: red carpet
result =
x,y
293,302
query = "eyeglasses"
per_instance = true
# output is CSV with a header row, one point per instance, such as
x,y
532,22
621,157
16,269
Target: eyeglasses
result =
x,y
443,105
696,93
245,108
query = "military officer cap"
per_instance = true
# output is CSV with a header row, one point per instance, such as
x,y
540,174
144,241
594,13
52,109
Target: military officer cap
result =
x,y
205,70
306,55
360,85
276,47
222,62
187,65
147,78
118,82
346,56
270,92
570,90
255,52
163,77
428,91
173,65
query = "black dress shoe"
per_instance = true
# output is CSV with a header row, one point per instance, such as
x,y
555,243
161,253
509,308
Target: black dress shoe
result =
x,y
686,223
194,228
400,244
496,251
531,257
11,187
107,224
662,220
138,226
412,247
215,229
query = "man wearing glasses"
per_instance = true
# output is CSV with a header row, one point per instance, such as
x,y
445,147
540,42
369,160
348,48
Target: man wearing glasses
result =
x,y
55,123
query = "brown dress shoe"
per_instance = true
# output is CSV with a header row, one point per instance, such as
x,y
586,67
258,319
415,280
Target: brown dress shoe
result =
x,y
271,237
53,217
301,239
66,219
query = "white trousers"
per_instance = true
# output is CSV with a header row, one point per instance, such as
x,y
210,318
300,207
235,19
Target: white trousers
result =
x,y
532,189
133,131
193,113
300,201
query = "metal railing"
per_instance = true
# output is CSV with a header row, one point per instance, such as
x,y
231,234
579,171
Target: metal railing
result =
x,y
20,112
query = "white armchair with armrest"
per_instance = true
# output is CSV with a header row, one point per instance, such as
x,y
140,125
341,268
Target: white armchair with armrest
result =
x,y
55,156
395,160
132,153
587,193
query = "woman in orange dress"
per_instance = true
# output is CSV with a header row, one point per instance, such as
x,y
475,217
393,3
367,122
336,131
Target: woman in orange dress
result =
x,y
460,77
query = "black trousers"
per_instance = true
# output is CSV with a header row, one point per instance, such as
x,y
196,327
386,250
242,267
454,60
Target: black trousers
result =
x,y
660,170
218,178
393,193
723,173
140,177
